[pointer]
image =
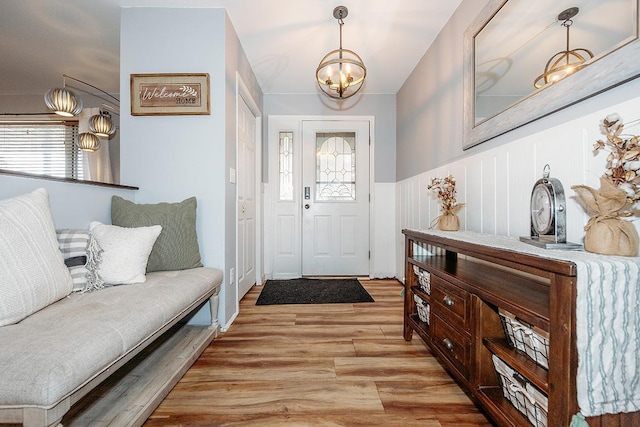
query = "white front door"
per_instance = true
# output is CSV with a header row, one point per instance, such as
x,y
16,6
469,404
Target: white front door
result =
x,y
246,196
335,198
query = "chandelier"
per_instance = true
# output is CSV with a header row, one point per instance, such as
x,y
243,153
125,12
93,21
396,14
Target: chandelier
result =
x,y
565,62
66,103
341,72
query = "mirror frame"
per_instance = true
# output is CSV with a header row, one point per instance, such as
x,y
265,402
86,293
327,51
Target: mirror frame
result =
x,y
615,68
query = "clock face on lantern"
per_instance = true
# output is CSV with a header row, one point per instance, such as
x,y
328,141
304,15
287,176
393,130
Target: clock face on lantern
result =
x,y
542,209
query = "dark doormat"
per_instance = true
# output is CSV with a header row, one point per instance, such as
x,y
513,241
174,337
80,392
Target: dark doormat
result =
x,y
313,291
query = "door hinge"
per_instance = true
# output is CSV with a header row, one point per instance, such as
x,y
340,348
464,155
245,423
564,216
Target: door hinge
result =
x,y
369,254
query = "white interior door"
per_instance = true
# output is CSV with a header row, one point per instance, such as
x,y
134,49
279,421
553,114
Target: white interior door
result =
x,y
335,198
246,196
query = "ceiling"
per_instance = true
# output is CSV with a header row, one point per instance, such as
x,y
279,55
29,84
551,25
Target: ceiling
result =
x,y
284,40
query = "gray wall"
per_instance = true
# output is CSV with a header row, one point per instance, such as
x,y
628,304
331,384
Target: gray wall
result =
x,y
174,157
73,205
430,104
429,120
382,107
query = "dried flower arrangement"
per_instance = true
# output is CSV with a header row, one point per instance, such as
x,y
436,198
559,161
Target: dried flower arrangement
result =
x,y
606,231
446,189
623,161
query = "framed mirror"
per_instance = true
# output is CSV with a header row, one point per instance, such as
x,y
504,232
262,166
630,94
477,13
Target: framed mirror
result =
x,y
510,44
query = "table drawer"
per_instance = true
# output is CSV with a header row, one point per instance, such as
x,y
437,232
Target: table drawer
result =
x,y
451,303
454,346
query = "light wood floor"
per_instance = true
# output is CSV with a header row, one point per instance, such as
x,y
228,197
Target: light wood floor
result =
x,y
318,365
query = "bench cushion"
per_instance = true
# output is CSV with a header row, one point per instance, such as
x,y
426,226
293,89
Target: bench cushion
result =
x,y
53,352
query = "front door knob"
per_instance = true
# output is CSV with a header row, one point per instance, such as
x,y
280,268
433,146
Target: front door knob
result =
x,y
306,206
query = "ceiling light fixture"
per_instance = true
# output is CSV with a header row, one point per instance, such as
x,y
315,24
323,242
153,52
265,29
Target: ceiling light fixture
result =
x,y
565,62
63,101
66,103
88,142
341,72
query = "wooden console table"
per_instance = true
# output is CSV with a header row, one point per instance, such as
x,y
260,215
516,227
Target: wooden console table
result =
x,y
472,279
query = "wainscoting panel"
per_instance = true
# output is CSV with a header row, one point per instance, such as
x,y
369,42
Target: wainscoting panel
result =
x,y
383,232
496,184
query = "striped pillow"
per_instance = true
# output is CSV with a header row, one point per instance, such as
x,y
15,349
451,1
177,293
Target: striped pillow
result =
x,y
73,245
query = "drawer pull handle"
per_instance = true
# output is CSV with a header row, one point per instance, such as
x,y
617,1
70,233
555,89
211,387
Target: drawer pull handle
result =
x,y
448,301
448,344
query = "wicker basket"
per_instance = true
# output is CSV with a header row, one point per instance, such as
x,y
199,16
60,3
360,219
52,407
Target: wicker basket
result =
x,y
529,339
424,279
424,309
526,398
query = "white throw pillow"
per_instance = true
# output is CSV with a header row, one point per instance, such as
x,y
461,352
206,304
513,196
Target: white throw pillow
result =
x,y
32,270
125,252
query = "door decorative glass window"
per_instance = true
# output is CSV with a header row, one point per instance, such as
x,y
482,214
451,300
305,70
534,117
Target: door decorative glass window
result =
x,y
286,165
335,166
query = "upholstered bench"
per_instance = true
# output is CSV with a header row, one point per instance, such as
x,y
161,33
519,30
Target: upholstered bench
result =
x,y
60,338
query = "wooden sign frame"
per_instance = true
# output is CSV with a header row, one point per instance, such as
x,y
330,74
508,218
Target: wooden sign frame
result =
x,y
170,94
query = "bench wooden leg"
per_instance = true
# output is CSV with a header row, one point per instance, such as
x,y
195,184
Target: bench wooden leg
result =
x,y
213,306
45,417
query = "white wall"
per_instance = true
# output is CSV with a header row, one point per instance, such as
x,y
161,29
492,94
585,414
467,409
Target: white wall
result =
x,y
496,184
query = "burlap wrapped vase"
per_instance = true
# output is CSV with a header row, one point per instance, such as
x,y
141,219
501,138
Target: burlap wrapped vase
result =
x,y
606,232
611,236
449,222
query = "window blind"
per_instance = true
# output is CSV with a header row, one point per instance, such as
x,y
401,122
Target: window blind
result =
x,y
39,148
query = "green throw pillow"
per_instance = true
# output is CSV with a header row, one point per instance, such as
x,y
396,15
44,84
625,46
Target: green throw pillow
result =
x,y
177,245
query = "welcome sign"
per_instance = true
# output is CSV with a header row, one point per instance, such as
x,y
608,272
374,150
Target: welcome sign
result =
x,y
169,94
